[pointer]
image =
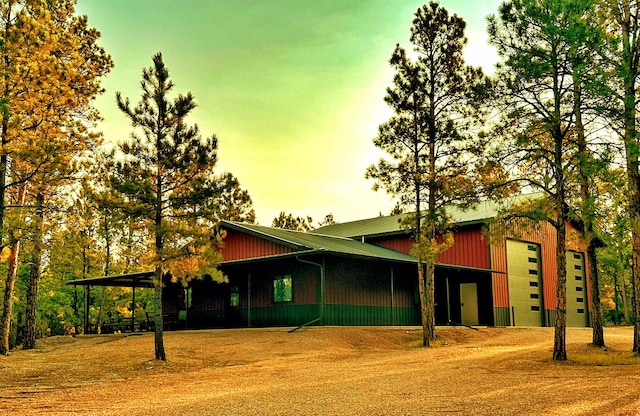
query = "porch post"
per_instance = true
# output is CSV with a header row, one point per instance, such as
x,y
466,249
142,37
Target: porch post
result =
x,y
133,310
249,299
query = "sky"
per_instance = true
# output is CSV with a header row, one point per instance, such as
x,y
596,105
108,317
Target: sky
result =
x,y
293,89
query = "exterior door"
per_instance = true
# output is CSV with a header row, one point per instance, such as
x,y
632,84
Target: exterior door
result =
x,y
469,303
576,290
525,283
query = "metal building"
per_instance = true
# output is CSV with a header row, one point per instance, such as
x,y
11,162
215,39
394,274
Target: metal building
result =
x,y
360,273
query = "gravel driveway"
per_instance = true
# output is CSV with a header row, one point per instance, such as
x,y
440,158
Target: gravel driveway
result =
x,y
325,371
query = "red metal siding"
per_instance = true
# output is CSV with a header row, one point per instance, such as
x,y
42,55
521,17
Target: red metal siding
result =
x,y
500,285
239,246
402,243
470,248
545,235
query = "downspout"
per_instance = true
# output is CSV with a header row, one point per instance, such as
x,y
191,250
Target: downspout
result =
x,y
392,290
322,302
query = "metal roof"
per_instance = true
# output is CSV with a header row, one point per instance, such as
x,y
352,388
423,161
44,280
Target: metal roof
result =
x,y
378,226
141,279
316,243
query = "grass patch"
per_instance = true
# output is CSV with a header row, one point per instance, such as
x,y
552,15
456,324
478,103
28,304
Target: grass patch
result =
x,y
594,356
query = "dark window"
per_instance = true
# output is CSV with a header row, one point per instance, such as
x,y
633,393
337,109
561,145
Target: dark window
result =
x,y
532,248
283,289
578,289
577,256
234,296
580,310
578,277
533,260
533,284
535,308
577,267
579,300
534,296
533,271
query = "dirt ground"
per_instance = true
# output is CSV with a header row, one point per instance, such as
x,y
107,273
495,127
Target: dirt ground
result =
x,y
324,371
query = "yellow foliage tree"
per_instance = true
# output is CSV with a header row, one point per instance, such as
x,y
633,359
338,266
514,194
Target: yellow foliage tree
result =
x,y
52,67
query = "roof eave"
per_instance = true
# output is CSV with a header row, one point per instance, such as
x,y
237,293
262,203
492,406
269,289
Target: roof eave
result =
x,y
256,233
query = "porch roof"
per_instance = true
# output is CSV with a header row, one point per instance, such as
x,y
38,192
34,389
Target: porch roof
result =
x,y
140,279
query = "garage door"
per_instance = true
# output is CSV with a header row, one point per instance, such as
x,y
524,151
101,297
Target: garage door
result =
x,y
525,283
576,290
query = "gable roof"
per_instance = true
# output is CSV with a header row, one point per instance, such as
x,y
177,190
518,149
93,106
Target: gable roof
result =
x,y
313,243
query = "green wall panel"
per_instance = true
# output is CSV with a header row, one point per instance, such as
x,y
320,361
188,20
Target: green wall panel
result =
x,y
406,316
370,315
276,315
501,316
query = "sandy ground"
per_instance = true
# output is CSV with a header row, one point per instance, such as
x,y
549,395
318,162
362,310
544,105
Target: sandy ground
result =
x,y
324,371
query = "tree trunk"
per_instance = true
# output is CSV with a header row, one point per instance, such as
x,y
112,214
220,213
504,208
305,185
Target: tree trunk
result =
x,y
560,334
30,331
431,301
636,289
585,158
157,315
7,304
596,310
625,304
424,315
628,72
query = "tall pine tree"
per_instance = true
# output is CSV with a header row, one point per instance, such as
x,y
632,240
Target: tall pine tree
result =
x,y
427,141
165,176
539,93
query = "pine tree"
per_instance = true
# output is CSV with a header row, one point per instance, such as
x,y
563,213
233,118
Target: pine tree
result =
x,y
427,140
539,99
623,22
165,176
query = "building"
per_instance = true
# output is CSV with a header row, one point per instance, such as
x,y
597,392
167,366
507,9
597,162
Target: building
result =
x,y
360,273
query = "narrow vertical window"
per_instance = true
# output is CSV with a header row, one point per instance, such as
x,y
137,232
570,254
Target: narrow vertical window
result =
x,y
283,288
234,296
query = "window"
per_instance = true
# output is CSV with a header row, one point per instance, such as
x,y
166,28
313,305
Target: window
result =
x,y
283,289
533,284
535,308
533,260
532,248
534,296
578,277
533,272
234,296
580,300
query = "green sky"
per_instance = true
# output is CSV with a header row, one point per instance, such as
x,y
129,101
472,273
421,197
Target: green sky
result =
x,y
292,88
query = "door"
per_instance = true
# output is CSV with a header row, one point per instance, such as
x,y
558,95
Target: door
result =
x,y
524,273
577,314
469,303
